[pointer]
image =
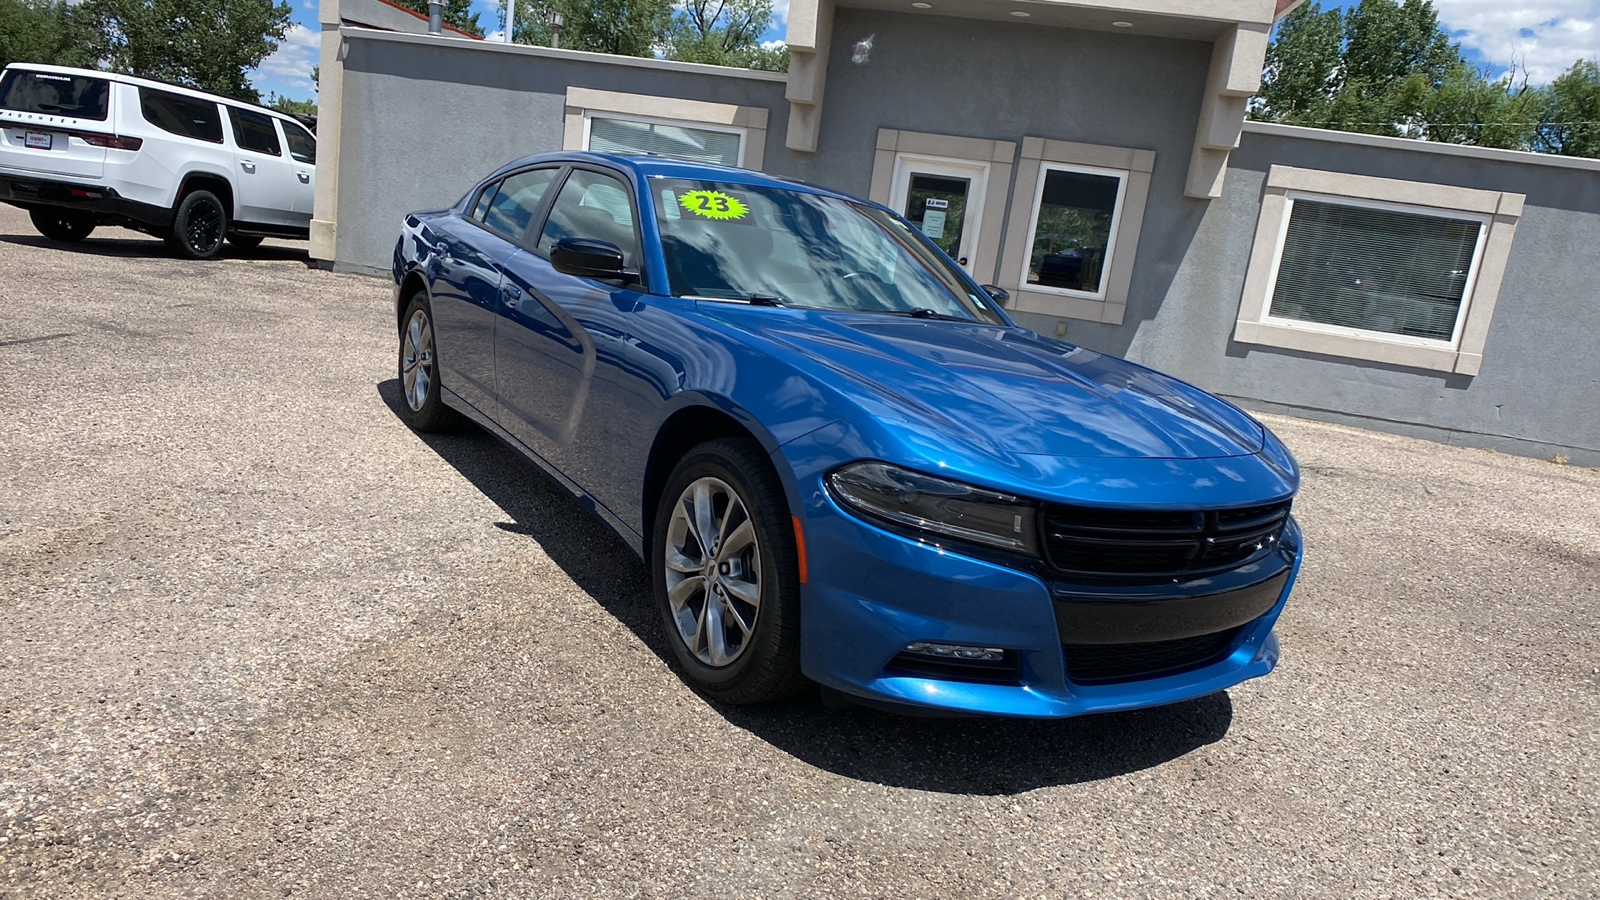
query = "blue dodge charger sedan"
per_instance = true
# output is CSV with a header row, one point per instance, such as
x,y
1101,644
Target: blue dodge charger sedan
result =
x,y
840,458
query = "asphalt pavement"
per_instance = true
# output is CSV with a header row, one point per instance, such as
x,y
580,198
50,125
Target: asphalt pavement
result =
x,y
257,639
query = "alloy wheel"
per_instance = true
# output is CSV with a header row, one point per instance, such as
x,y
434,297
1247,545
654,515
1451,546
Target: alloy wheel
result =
x,y
713,569
416,360
203,229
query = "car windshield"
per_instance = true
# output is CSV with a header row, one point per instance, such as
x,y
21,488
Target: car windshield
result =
x,y
778,246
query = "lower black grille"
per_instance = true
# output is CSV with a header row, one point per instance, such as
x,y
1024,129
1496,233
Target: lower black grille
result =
x,y
917,665
1099,663
1124,543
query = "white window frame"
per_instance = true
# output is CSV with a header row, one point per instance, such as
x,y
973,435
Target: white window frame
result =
x,y
897,148
1496,211
750,122
589,115
1039,156
1264,314
1045,168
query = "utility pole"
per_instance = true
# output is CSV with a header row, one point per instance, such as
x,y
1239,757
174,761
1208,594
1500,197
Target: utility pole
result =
x,y
511,18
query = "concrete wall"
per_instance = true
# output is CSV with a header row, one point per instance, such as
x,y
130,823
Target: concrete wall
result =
x,y
423,119
1538,392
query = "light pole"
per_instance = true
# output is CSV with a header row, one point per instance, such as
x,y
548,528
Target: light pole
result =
x,y
556,20
511,19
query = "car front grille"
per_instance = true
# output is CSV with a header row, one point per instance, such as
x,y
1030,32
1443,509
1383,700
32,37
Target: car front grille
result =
x,y
1100,663
1123,543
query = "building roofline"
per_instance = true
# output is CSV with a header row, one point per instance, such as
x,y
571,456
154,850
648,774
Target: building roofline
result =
x,y
1521,157
373,34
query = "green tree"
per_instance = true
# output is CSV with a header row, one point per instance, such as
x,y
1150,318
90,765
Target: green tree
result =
x,y
725,33
205,43
292,107
1302,67
456,12
623,27
1572,112
1386,67
44,31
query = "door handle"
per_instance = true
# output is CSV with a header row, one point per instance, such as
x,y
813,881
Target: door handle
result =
x,y
305,177
249,167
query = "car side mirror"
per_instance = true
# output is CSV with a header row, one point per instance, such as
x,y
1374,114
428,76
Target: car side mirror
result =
x,y
999,295
589,258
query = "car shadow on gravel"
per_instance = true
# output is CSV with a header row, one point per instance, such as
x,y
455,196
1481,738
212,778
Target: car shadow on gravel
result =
x,y
152,248
947,755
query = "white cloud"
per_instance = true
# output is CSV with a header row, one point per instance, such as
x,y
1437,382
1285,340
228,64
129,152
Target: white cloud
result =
x,y
780,16
498,35
772,45
1544,36
291,64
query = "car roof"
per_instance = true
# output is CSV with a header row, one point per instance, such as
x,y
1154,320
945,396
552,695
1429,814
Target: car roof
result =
x,y
647,166
148,82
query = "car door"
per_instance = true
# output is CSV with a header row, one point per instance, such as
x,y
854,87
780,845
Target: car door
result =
x,y
467,267
303,162
263,179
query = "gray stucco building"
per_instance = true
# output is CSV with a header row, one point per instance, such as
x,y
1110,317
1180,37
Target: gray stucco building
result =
x,y
1091,158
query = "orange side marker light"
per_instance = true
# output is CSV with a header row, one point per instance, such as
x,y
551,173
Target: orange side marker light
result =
x,y
800,547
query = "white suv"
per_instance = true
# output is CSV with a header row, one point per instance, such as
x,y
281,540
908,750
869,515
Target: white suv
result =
x,y
80,148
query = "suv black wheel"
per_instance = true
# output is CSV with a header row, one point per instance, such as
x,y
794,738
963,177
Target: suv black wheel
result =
x,y
727,576
421,407
61,224
198,226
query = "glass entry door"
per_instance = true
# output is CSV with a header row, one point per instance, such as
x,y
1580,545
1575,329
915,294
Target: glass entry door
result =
x,y
944,199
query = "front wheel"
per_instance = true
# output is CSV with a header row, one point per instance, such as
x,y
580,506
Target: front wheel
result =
x,y
61,224
198,226
420,404
727,578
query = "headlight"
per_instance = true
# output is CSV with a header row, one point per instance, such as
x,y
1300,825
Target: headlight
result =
x,y
936,505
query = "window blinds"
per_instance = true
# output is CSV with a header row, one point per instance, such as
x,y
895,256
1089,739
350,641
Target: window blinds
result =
x,y
675,141
1374,269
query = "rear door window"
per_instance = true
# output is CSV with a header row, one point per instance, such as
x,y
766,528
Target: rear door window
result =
x,y
177,114
253,131
513,206
78,96
302,146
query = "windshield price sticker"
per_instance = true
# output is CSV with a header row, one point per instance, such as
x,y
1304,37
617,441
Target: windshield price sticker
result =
x,y
713,204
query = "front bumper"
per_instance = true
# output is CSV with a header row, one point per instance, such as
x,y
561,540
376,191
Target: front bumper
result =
x,y
872,592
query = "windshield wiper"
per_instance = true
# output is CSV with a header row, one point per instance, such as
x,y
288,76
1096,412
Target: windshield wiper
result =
x,y
752,299
923,312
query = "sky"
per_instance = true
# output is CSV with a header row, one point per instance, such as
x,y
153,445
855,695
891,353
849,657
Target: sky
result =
x,y
1544,37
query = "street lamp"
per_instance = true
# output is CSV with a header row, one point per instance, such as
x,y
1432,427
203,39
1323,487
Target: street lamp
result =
x,y
556,21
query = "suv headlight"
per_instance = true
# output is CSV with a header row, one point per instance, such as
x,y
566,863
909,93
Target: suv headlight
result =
x,y
936,505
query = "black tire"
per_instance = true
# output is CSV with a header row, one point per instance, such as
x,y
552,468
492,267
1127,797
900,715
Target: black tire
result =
x,y
62,224
245,241
424,409
767,667
198,226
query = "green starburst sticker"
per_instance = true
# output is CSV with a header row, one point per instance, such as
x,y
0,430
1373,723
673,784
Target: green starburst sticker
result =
x,y
713,204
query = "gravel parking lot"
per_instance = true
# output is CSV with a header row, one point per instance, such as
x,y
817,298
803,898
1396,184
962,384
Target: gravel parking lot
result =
x,y
257,639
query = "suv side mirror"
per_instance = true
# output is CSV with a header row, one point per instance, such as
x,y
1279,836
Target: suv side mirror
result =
x,y
1000,295
589,258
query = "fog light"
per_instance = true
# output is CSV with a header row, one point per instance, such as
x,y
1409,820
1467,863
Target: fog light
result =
x,y
956,651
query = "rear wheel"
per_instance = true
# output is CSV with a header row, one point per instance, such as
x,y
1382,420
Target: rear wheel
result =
x,y
727,574
420,404
61,224
198,226
245,241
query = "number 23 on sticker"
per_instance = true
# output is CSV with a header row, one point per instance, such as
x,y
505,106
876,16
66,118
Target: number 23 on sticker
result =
x,y
713,204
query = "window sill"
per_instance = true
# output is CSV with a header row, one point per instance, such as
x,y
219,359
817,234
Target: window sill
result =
x,y
1067,306
1349,346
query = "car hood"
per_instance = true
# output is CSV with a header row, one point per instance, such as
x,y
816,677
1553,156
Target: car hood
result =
x,y
1005,388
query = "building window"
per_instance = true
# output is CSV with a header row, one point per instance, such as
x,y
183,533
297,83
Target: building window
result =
x,y
1374,268
1377,269
611,134
1074,229
1074,218
613,122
